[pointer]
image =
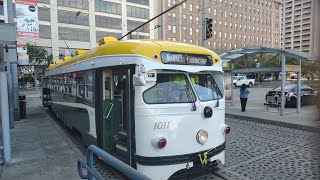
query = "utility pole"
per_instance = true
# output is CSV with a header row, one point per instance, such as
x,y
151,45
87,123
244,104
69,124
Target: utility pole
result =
x,y
12,72
203,21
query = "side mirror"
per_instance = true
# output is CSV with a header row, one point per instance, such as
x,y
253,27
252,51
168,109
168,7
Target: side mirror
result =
x,y
139,80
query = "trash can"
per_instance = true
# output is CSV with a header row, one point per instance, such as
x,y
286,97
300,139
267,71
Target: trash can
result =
x,y
22,105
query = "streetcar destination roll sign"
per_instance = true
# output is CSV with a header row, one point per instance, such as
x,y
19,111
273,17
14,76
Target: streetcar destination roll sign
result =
x,y
182,58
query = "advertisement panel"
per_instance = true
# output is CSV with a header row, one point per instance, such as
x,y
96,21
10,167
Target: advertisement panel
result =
x,y
27,19
227,87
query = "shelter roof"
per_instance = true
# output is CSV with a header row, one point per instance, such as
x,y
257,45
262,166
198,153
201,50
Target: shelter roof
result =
x,y
237,54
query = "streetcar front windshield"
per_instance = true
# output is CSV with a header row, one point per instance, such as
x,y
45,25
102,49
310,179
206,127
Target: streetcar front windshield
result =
x,y
170,88
205,86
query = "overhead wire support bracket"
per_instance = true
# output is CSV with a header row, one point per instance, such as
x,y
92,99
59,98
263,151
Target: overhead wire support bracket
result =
x,y
153,19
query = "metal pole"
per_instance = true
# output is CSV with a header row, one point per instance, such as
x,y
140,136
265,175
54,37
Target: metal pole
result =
x,y
203,22
299,90
5,118
232,84
9,85
283,81
12,85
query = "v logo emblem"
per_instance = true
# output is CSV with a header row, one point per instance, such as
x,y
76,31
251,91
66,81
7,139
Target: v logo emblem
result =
x,y
203,160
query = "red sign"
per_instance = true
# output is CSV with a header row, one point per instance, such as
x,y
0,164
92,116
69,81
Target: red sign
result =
x,y
27,2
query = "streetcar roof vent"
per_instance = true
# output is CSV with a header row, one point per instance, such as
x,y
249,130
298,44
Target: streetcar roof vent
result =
x,y
58,61
107,39
66,58
51,65
80,51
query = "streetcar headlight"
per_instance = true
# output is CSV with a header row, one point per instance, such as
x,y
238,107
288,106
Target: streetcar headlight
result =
x,y
202,136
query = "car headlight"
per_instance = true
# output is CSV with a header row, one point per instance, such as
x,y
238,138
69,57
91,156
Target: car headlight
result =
x,y
202,136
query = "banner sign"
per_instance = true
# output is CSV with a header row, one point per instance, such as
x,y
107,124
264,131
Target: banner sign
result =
x,y
27,19
228,84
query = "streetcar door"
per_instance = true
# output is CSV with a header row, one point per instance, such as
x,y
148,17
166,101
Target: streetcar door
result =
x,y
117,113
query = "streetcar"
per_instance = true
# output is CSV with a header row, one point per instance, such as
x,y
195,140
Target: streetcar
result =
x,y
156,105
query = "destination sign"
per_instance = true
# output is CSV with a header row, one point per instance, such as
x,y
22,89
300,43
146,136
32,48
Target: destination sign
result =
x,y
185,59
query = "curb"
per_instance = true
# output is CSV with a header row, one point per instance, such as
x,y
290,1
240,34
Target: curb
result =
x,y
277,123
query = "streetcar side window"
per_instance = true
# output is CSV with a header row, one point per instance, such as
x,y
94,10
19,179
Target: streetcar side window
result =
x,y
170,88
74,84
79,80
89,85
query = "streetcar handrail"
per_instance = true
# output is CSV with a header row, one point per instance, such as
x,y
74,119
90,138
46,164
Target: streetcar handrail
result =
x,y
109,111
108,159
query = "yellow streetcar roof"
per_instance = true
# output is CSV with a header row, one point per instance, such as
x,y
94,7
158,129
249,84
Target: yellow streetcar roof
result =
x,y
147,48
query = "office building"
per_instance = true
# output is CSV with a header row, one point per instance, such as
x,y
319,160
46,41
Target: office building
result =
x,y
301,27
236,23
79,24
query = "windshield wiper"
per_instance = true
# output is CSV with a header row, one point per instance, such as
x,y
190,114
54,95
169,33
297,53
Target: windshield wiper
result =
x,y
194,107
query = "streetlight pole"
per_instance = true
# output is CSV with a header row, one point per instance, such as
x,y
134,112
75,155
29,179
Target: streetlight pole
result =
x,y
203,21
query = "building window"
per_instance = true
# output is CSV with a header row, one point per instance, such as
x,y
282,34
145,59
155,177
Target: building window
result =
x,y
220,34
225,35
174,39
225,14
214,23
191,19
80,4
137,12
169,27
197,32
73,34
209,45
230,15
198,8
220,24
185,18
197,20
230,25
191,41
226,25
42,13
191,32
108,22
174,29
209,10
45,31
214,12
169,3
230,36
67,17
108,7
173,16
190,7
143,2
184,30
184,40
220,13
214,34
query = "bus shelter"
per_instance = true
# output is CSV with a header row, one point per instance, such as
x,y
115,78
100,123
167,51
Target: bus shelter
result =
x,y
238,54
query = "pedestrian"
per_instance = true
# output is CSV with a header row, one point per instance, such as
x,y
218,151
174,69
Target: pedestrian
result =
x,y
244,97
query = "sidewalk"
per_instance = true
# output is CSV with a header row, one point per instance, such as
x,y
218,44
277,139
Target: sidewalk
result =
x,y
40,149
256,110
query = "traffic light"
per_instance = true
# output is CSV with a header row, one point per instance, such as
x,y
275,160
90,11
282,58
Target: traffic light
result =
x,y
208,28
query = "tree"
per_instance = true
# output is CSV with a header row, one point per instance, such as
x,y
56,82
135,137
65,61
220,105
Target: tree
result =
x,y
39,61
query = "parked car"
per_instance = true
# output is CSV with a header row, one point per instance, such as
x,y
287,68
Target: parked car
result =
x,y
239,80
308,95
268,79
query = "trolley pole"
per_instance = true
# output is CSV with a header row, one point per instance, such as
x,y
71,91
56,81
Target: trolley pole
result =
x,y
5,117
203,22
